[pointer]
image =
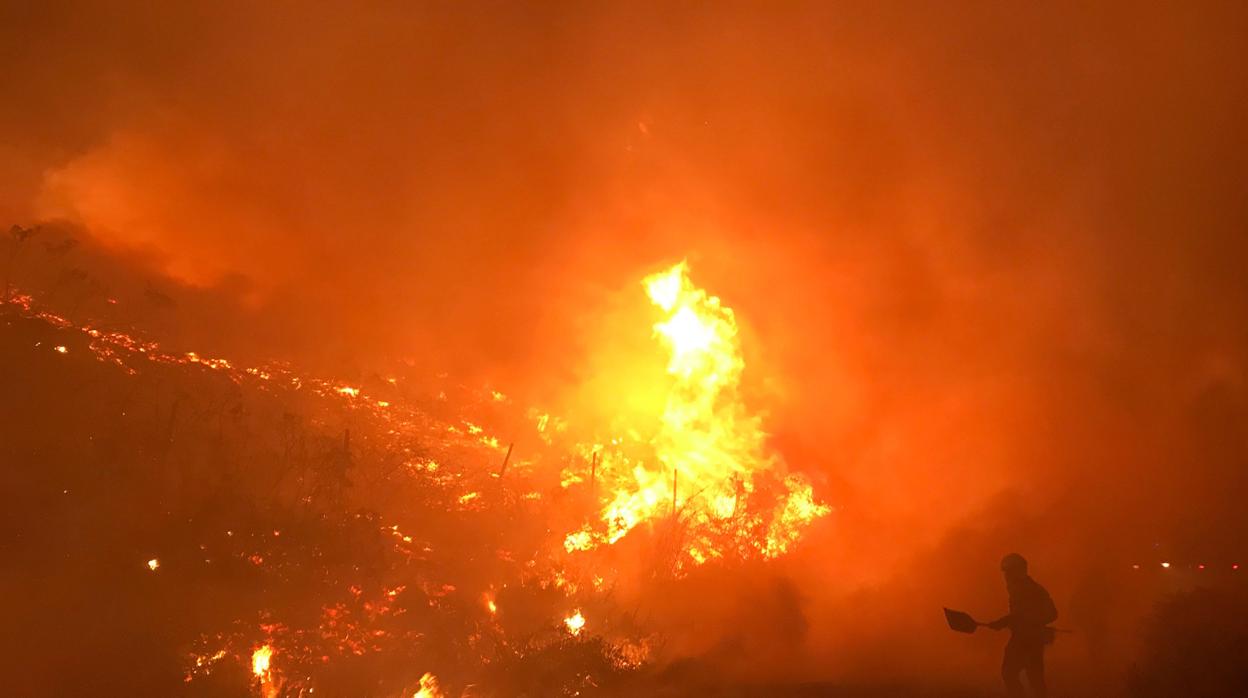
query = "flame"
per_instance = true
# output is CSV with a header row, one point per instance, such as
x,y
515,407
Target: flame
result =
x,y
575,623
709,448
580,540
701,465
261,667
428,687
260,660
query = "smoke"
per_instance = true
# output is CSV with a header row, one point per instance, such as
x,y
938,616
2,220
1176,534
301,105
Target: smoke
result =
x,y
987,258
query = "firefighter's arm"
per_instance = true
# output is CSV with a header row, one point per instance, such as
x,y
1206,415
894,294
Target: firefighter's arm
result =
x,y
1001,623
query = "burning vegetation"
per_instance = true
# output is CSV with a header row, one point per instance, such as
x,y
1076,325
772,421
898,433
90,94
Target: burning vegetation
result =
x,y
344,351
337,537
707,466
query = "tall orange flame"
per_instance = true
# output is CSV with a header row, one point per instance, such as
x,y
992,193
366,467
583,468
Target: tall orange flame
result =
x,y
709,449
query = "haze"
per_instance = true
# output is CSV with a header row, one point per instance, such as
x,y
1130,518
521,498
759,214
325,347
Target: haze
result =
x,y
988,259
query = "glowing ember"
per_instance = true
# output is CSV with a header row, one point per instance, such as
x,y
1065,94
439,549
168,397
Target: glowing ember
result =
x,y
61,349
428,687
201,661
575,623
153,564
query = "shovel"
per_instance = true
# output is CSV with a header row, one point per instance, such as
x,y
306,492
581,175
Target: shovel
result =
x,y
962,622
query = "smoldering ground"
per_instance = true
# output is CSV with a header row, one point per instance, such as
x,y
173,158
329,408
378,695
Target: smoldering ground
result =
x,y
987,259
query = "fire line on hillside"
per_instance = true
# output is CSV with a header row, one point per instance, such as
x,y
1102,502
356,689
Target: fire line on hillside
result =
x,y
703,485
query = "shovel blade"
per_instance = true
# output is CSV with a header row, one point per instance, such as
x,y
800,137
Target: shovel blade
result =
x,y
960,622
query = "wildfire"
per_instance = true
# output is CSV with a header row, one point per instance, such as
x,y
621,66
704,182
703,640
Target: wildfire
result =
x,y
428,687
704,466
710,456
261,667
581,540
260,660
575,623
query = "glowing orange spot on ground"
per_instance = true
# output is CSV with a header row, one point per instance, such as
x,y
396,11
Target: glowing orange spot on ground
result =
x,y
575,623
260,660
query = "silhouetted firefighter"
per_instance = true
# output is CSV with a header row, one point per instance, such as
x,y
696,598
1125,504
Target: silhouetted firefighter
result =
x,y
1031,611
